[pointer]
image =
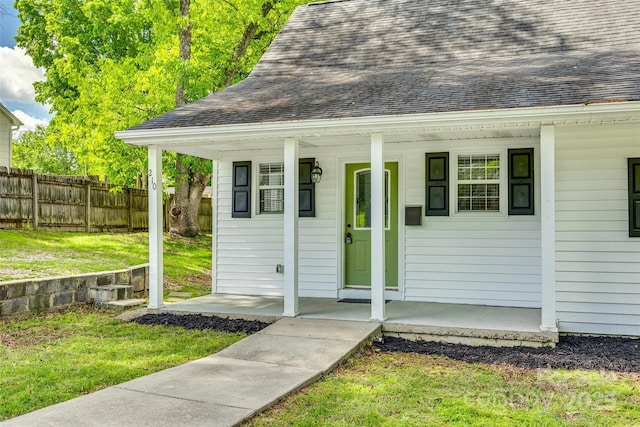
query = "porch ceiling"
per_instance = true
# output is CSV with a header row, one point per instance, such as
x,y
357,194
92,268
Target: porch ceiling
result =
x,y
213,149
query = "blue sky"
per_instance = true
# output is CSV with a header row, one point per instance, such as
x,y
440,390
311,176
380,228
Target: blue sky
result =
x,y
17,73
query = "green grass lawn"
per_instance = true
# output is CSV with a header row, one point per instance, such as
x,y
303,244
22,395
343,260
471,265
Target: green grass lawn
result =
x,y
46,359
396,389
29,254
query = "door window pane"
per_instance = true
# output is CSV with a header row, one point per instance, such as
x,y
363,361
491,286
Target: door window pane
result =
x,y
363,199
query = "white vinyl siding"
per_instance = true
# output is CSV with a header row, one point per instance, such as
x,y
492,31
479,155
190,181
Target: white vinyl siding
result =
x,y
248,249
492,260
5,141
597,263
470,258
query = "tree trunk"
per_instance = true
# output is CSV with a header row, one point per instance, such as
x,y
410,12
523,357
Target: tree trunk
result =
x,y
183,214
184,54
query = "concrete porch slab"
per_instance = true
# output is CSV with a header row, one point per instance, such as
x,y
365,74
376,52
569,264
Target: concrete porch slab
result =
x,y
248,307
464,316
467,324
454,323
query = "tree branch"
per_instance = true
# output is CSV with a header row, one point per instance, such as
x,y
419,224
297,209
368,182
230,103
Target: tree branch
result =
x,y
248,35
233,6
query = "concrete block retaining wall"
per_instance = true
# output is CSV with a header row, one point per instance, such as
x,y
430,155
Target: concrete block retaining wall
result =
x,y
33,295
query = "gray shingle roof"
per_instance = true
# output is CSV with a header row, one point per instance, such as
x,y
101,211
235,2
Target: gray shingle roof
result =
x,y
361,58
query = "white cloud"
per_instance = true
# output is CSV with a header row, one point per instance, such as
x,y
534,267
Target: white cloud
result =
x,y
17,75
29,122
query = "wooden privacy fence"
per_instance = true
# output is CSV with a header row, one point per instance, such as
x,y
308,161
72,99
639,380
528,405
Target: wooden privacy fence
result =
x,y
76,203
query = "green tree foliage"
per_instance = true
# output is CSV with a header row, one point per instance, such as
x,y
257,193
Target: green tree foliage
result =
x,y
31,151
112,64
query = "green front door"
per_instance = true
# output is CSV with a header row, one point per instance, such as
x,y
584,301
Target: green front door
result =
x,y
357,235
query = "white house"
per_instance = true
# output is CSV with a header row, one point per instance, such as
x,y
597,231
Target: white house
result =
x,y
8,123
482,153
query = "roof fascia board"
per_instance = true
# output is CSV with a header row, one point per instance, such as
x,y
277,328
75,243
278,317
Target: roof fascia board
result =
x,y
16,123
465,120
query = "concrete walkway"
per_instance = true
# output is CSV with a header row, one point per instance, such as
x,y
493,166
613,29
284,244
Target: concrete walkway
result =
x,y
223,389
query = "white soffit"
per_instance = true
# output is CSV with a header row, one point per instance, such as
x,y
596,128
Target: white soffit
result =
x,y
209,142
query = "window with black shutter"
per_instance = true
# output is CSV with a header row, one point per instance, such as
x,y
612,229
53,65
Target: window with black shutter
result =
x,y
271,189
241,203
307,189
437,184
521,189
634,197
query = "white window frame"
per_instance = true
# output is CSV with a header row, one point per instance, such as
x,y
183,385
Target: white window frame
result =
x,y
502,181
259,187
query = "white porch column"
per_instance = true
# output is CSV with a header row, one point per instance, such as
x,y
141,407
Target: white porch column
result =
x,y
548,227
290,227
214,226
377,228
155,228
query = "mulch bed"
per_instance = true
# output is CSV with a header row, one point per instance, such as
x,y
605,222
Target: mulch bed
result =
x,y
572,352
198,321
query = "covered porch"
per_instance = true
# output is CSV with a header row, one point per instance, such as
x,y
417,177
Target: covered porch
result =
x,y
453,323
372,140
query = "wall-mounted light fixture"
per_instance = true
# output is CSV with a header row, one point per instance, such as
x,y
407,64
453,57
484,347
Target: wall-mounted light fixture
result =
x,y
316,173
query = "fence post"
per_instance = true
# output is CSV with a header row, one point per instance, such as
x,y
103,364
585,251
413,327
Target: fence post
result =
x,y
34,201
87,213
130,210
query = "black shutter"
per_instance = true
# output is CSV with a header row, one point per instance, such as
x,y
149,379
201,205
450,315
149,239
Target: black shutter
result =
x,y
307,189
437,184
521,191
241,204
634,197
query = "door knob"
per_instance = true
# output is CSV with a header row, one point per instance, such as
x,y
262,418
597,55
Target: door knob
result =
x,y
348,239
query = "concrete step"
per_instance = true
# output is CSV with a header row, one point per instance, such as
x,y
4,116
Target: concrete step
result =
x,y
102,295
471,336
178,296
126,303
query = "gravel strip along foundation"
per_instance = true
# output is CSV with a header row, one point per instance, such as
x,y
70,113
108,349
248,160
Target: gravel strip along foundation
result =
x,y
198,321
572,352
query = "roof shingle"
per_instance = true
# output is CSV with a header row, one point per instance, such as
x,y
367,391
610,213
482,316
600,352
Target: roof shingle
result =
x,y
362,58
